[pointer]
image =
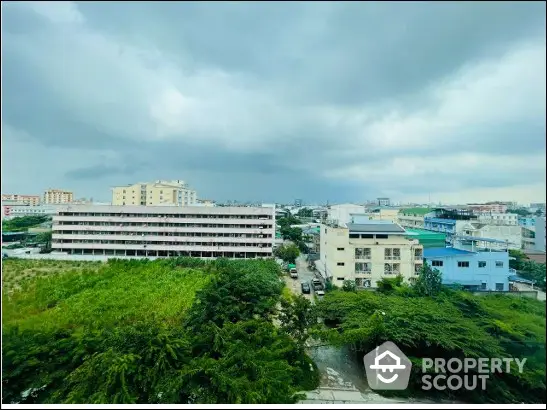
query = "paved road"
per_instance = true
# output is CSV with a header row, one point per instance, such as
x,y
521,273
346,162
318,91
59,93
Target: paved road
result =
x,y
304,275
525,287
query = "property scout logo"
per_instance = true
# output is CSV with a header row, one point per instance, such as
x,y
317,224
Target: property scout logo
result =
x,y
388,368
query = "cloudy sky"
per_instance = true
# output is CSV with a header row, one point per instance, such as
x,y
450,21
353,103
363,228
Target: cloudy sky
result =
x,y
276,101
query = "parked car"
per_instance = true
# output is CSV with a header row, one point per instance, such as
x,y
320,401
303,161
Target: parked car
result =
x,y
306,287
316,284
320,293
294,273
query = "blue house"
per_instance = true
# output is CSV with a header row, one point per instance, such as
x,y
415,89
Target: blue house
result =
x,y
479,270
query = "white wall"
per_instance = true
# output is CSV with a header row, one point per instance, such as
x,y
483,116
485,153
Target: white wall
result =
x,y
342,213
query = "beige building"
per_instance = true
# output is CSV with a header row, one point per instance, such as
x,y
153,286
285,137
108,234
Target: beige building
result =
x,y
384,214
413,217
58,196
163,231
158,193
367,252
32,200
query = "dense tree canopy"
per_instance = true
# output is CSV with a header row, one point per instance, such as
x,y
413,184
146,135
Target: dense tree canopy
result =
x,y
170,331
453,324
22,223
287,252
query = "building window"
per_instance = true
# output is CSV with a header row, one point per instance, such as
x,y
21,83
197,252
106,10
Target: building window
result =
x,y
362,267
341,279
417,268
483,286
482,264
499,264
463,264
381,236
437,263
362,253
499,287
339,249
340,264
418,254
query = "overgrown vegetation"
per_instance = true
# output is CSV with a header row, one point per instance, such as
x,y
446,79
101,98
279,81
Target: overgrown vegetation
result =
x,y
528,269
287,252
178,330
22,223
452,324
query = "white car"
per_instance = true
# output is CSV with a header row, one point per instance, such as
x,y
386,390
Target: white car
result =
x,y
320,293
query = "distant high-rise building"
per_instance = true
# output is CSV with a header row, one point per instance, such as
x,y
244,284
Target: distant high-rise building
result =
x,y
58,196
174,193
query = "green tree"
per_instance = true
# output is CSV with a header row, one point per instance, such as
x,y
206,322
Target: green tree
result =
x,y
520,211
388,285
297,315
429,282
305,213
288,252
349,286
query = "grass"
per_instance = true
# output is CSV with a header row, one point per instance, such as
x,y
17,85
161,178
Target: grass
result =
x,y
88,294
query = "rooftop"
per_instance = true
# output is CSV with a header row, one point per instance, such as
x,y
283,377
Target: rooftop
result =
x,y
480,239
445,252
415,211
376,228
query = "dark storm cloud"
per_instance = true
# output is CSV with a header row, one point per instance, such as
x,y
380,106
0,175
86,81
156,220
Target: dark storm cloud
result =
x,y
325,101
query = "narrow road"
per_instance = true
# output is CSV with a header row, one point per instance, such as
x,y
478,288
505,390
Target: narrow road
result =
x,y
304,275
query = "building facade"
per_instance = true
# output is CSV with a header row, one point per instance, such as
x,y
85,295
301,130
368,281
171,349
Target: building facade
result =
x,y
384,214
496,207
40,210
413,217
367,252
158,193
162,231
485,270
17,199
497,218
341,214
383,201
540,234
58,196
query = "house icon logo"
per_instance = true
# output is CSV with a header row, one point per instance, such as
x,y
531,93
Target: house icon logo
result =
x,y
387,368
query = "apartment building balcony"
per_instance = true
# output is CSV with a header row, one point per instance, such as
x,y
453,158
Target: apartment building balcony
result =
x,y
146,228
162,238
211,219
153,247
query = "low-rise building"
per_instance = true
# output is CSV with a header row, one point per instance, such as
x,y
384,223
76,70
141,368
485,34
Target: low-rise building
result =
x,y
162,231
384,214
497,218
414,217
158,193
367,252
58,196
17,199
479,270
495,207
39,210
341,213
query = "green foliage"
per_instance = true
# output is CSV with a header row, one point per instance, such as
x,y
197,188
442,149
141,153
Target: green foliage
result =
x,y
453,324
178,330
22,223
305,213
288,233
520,211
287,252
389,285
349,286
297,316
527,268
429,282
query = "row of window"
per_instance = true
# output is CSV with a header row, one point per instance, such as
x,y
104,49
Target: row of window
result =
x,y
163,233
367,236
169,243
389,253
163,225
466,264
181,215
389,268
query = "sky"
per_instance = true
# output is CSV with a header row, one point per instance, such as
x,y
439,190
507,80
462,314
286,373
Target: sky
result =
x,y
329,101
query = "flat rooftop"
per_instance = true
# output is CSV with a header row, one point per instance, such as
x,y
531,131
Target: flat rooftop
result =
x,y
445,252
375,228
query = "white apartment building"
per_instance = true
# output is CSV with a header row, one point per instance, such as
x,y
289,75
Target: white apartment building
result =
x,y
367,252
498,218
39,210
162,231
341,214
540,234
158,193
